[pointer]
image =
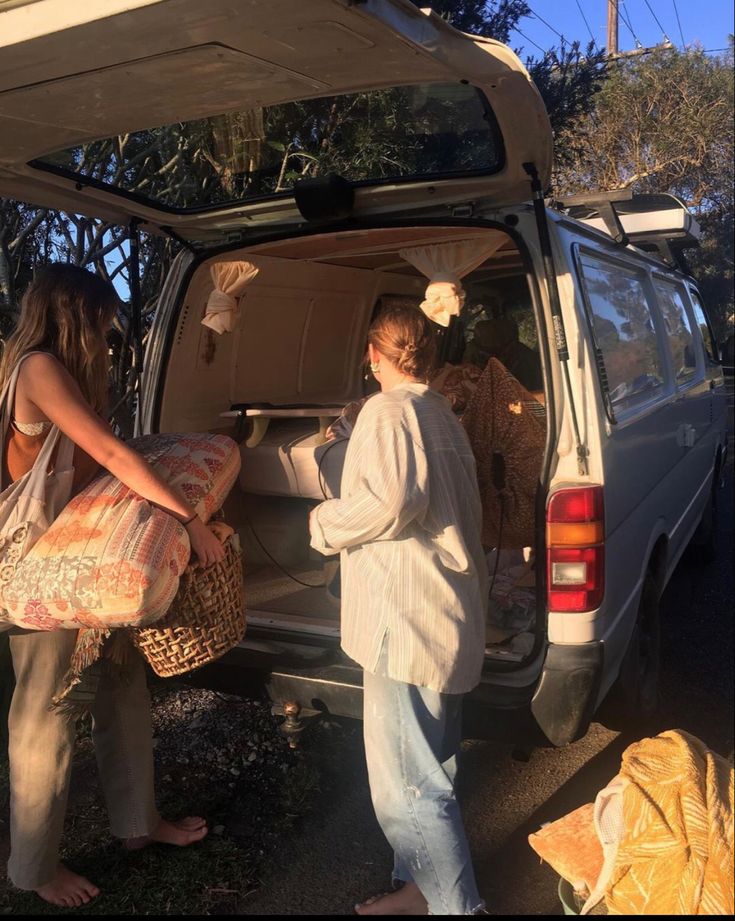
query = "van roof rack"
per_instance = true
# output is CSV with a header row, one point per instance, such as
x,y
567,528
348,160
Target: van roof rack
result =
x,y
659,223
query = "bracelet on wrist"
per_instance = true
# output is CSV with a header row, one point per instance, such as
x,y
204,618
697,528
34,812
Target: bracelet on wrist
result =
x,y
189,520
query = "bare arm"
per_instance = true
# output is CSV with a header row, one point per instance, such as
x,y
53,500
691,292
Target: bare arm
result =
x,y
45,383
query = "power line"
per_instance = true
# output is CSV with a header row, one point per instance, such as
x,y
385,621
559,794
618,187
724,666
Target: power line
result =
x,y
658,21
542,50
547,24
585,22
678,22
628,25
639,52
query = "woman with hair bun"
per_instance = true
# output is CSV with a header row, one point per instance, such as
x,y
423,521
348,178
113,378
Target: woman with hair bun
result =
x,y
414,591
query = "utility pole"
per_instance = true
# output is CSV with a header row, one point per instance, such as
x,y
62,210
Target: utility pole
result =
x,y
612,28
612,37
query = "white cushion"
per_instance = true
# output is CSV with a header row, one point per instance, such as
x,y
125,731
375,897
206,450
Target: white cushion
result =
x,y
291,460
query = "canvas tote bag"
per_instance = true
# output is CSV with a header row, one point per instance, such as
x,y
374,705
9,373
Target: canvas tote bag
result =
x,y
28,506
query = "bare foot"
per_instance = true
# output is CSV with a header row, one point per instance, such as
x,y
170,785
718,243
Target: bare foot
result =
x,y
404,901
67,889
182,833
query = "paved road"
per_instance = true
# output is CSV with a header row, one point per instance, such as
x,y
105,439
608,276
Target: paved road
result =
x,y
338,854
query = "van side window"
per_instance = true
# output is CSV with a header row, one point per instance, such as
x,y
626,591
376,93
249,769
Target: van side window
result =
x,y
700,318
678,330
624,331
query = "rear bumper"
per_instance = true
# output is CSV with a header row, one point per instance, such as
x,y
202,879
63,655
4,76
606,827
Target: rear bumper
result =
x,y
566,695
557,709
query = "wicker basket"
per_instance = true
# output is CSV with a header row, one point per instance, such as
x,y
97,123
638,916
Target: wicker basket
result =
x,y
206,618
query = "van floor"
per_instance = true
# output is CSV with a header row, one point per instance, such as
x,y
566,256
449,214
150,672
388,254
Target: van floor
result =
x,y
274,599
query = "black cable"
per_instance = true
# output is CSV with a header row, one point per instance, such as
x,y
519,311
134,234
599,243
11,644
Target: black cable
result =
x,y
542,50
585,22
320,480
547,24
277,564
678,22
658,21
497,552
628,25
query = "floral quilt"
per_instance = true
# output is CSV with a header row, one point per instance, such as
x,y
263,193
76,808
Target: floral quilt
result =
x,y
111,559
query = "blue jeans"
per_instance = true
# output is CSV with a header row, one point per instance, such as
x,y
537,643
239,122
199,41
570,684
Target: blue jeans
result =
x,y
412,736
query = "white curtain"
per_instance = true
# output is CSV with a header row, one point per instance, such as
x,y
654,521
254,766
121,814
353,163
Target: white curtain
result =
x,y
444,264
230,280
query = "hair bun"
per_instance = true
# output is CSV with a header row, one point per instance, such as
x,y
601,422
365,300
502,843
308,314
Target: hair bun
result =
x,y
405,336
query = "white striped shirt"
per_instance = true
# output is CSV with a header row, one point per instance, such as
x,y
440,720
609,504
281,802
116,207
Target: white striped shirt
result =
x,y
408,524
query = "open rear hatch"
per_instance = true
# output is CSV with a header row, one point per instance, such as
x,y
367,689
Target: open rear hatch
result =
x,y
182,115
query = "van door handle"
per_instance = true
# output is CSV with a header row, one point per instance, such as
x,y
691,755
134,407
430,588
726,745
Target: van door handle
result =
x,y
686,435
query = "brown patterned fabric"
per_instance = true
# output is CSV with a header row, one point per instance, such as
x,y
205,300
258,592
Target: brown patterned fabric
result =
x,y
500,417
457,383
500,423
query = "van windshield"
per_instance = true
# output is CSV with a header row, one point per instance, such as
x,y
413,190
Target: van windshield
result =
x,y
401,133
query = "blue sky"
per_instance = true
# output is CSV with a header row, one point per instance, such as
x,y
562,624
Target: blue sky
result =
x,y
707,22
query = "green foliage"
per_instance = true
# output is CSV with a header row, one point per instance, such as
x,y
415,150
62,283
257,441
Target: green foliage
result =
x,y
712,265
23,245
208,879
402,131
663,123
494,18
567,77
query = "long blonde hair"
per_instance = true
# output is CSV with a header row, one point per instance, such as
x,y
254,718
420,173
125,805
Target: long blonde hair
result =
x,y
66,311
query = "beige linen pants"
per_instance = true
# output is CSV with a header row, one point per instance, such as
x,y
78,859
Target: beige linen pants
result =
x,y
41,742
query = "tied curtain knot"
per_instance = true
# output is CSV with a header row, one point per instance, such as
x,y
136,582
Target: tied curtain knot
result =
x,y
444,264
230,280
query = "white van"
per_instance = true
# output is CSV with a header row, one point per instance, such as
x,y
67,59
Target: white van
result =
x,y
316,148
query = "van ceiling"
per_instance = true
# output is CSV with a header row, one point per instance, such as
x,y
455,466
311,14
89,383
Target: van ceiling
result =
x,y
378,248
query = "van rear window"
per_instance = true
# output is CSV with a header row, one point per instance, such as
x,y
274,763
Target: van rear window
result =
x,y
624,332
400,133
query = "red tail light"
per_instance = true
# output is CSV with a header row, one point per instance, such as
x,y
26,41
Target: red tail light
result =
x,y
575,549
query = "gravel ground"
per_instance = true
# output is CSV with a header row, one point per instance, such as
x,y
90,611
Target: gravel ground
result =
x,y
216,755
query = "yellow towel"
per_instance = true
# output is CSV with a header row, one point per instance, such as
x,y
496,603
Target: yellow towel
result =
x,y
676,856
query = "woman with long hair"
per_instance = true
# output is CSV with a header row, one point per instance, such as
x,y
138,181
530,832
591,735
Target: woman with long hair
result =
x,y
414,590
59,348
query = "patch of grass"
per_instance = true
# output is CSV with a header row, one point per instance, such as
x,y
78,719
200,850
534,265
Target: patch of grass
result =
x,y
208,879
303,784
217,756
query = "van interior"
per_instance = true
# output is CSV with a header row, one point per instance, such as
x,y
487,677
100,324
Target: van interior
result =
x,y
292,371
